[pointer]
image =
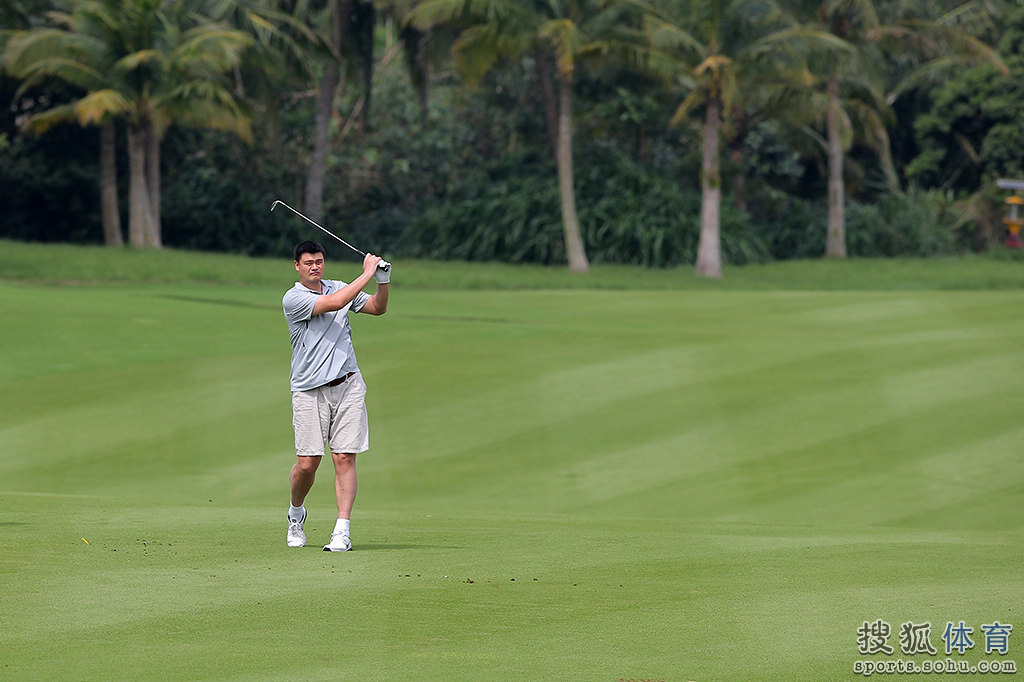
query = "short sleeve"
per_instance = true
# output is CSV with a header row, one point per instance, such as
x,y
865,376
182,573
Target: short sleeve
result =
x,y
359,301
298,305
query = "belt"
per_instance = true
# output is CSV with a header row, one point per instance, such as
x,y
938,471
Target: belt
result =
x,y
340,380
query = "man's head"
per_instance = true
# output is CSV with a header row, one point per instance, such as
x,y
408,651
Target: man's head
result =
x,y
309,262
308,247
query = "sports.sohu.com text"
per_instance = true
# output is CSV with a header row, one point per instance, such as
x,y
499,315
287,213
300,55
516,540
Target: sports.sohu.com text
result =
x,y
947,666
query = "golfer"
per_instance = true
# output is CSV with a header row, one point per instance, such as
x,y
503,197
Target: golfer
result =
x,y
328,393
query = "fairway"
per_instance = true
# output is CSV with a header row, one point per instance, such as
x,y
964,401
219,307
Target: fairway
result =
x,y
571,484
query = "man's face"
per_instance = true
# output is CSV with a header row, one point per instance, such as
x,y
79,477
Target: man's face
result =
x,y
310,267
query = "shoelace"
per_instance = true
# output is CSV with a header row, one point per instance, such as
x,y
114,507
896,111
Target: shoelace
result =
x,y
343,537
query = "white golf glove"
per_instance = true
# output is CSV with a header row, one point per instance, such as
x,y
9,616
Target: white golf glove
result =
x,y
383,273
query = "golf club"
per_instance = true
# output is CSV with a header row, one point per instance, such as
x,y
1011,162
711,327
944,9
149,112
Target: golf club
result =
x,y
383,265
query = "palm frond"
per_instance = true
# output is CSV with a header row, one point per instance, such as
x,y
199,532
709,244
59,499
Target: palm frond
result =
x,y
28,48
806,40
210,50
564,36
932,73
142,58
692,101
100,106
670,37
204,104
463,12
45,120
476,50
68,70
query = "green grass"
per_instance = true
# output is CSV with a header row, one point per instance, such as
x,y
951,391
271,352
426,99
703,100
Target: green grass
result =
x,y
641,476
77,265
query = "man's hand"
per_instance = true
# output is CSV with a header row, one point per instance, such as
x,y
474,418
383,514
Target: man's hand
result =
x,y
342,297
370,263
378,303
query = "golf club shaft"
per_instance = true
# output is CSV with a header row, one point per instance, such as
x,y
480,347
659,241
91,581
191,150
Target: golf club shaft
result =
x,y
313,222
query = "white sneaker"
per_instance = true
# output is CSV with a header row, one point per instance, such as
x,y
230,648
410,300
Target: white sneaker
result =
x,y
296,535
339,543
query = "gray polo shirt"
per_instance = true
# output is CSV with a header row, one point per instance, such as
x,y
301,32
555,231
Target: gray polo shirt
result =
x,y
322,347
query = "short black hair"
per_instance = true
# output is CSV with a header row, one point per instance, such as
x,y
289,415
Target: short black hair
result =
x,y
308,247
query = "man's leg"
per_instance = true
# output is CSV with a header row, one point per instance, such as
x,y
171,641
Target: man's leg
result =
x,y
345,490
345,483
302,476
349,435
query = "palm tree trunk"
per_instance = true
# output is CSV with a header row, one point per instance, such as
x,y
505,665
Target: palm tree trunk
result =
x,y
139,212
739,184
835,242
709,248
318,158
366,16
154,237
542,60
570,222
108,187
414,42
314,199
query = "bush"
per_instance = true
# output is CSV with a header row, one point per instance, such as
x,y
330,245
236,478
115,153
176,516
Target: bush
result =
x,y
217,193
51,187
790,227
629,214
207,210
916,223
912,223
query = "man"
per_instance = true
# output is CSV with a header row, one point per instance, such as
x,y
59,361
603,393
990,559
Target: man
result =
x,y
328,393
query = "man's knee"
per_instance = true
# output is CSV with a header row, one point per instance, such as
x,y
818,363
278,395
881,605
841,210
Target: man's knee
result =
x,y
344,459
307,465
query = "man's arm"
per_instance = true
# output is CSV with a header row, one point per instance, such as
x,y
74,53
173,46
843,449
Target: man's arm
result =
x,y
378,303
342,297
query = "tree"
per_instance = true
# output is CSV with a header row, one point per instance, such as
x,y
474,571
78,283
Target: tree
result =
x,y
422,47
281,56
339,15
853,46
149,63
722,54
559,32
972,131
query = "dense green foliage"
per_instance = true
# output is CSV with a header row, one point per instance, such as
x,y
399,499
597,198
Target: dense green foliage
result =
x,y
473,176
973,131
50,187
631,215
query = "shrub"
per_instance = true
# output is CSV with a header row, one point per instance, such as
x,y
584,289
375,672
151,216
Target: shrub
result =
x,y
912,223
51,186
629,214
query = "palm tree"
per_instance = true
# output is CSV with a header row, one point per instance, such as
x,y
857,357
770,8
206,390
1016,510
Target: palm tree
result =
x,y
338,19
294,41
111,217
344,41
854,46
422,48
559,32
723,55
282,54
150,63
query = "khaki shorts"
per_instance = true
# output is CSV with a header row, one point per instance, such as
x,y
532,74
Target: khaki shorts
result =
x,y
332,414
